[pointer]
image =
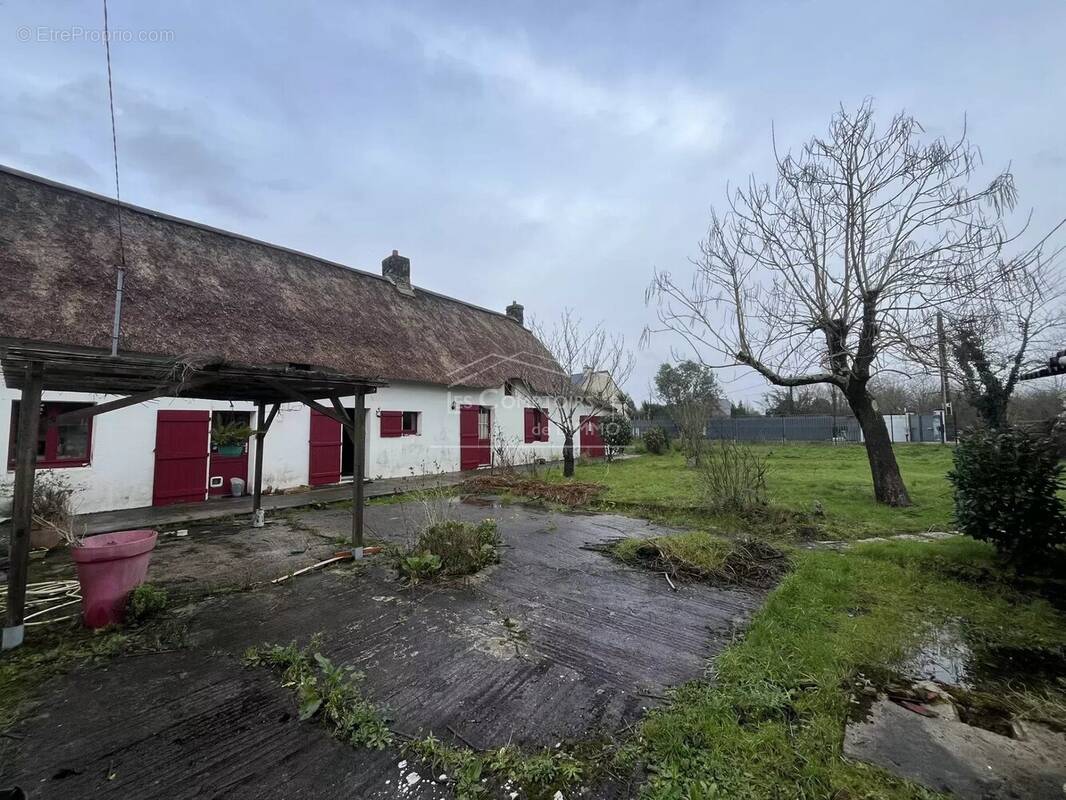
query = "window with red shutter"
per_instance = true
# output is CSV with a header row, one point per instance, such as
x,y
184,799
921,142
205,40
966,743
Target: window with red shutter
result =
x,y
530,425
544,429
391,424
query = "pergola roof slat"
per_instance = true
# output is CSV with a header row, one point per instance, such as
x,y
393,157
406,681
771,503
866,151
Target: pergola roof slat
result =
x,y
201,377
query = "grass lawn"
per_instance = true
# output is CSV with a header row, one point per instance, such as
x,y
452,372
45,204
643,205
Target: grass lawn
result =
x,y
836,476
770,725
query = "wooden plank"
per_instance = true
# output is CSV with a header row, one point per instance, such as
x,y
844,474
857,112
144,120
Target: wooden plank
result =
x,y
22,511
298,397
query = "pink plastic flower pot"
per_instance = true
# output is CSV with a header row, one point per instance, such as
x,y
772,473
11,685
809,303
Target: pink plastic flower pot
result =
x,y
110,566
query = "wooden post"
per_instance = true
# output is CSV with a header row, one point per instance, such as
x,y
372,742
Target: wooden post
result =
x,y
22,505
262,425
257,481
359,445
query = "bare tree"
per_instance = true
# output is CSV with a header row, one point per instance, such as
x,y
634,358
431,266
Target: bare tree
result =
x,y
992,335
827,275
572,391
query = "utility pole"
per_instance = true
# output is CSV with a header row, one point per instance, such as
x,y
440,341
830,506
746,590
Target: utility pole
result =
x,y
944,398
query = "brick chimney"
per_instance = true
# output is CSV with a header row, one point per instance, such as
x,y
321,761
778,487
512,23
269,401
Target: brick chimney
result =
x,y
397,269
517,312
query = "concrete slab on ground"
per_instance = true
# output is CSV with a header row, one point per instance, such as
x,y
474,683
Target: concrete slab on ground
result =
x,y
555,643
947,755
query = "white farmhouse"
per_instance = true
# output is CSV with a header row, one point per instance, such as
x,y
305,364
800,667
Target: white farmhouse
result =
x,y
451,368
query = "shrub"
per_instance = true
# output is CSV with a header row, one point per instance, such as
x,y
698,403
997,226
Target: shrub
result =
x,y
616,431
656,441
145,601
451,549
733,476
1006,492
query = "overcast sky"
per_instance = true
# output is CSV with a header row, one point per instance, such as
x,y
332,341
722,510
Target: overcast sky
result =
x,y
549,152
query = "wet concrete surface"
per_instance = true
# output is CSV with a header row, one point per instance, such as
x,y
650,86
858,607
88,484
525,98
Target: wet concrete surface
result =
x,y
948,755
556,643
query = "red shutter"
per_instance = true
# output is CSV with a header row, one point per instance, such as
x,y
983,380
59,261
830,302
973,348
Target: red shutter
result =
x,y
531,422
544,429
391,424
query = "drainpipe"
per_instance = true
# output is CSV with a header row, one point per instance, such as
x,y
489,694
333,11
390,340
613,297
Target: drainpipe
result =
x,y
118,310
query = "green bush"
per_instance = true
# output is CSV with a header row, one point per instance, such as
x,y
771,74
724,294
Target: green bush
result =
x,y
616,431
656,441
1006,492
145,601
451,549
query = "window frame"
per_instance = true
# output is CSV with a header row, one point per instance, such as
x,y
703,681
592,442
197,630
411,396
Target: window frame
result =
x,y
50,459
417,419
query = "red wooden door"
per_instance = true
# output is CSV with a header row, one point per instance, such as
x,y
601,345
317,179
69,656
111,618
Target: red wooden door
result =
x,y
325,457
182,446
475,437
591,441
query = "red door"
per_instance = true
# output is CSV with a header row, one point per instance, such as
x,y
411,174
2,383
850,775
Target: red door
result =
x,y
591,441
182,445
325,459
475,444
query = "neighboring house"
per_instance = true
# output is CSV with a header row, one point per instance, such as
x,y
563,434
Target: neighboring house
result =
x,y
450,366
600,384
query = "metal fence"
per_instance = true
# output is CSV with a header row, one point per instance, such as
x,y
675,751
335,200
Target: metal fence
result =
x,y
828,428
785,429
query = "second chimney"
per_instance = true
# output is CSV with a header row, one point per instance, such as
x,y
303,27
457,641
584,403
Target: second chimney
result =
x,y
517,312
397,269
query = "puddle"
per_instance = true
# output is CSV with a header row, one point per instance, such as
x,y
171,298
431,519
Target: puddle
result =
x,y
944,657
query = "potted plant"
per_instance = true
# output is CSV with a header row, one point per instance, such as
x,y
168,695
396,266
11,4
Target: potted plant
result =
x,y
109,565
230,438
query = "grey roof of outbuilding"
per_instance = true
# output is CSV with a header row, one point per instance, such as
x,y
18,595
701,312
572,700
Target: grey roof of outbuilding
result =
x,y
194,289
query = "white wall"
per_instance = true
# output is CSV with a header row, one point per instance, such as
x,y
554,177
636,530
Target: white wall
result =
x,y
123,442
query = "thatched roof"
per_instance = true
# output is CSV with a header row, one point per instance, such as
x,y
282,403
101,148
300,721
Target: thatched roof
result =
x,y
195,289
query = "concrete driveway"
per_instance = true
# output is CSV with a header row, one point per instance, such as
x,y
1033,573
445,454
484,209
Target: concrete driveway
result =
x,y
556,643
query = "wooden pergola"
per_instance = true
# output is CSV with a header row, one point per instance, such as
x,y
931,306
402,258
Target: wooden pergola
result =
x,y
33,368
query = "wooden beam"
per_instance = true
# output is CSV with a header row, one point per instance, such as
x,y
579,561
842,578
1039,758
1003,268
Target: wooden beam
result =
x,y
298,397
262,425
170,390
22,511
270,417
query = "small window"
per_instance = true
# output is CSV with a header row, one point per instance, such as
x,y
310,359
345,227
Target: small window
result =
x,y
483,424
410,423
399,423
508,389
65,445
225,419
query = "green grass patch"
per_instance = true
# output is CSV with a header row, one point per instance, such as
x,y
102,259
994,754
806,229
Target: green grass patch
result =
x,y
769,724
814,490
702,556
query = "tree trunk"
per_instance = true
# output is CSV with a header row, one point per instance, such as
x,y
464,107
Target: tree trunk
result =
x,y
568,455
888,483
